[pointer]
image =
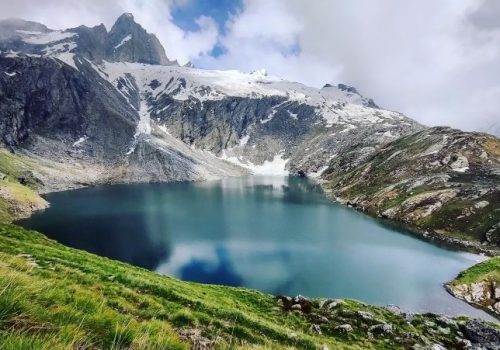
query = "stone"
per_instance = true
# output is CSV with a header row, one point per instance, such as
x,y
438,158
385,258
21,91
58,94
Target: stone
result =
x,y
365,315
479,332
459,162
383,328
394,309
344,328
446,321
316,328
444,330
481,204
464,344
496,307
480,291
323,319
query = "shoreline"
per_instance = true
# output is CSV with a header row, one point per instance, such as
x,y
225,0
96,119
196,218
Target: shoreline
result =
x,y
400,226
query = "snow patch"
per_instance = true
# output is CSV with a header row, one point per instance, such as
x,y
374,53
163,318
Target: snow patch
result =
x,y
144,125
28,32
164,129
318,173
46,38
10,74
273,167
80,140
269,117
124,40
68,58
244,140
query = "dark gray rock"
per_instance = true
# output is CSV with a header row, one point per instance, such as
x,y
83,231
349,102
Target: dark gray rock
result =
x,y
480,333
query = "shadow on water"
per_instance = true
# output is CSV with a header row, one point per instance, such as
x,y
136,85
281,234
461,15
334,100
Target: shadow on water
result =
x,y
105,227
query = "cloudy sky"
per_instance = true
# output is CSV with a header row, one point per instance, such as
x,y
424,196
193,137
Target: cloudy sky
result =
x,y
436,61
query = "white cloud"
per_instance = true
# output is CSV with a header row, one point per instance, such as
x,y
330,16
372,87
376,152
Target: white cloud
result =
x,y
437,61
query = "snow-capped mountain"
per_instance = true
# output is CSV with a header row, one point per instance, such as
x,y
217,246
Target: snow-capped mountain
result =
x,y
84,106
114,99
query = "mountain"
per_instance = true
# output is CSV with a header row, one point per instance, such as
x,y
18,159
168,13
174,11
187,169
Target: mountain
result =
x,y
89,106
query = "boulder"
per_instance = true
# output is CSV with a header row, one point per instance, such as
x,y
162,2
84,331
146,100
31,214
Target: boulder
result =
x,y
344,328
316,328
481,333
382,328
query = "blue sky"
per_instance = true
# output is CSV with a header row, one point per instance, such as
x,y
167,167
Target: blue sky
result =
x,y
185,16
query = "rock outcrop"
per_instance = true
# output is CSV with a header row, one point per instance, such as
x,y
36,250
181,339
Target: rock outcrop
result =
x,y
485,294
346,319
479,285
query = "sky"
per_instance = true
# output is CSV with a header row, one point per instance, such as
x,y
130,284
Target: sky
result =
x,y
436,61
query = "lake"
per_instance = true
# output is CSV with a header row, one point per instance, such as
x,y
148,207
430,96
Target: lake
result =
x,y
276,234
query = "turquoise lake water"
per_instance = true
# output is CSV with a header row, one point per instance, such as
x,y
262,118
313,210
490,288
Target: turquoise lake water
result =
x,y
276,234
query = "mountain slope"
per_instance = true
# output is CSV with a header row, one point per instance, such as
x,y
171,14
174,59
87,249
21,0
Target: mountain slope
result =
x,y
440,180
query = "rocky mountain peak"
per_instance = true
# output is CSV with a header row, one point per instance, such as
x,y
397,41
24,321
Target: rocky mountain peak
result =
x,y
128,41
347,88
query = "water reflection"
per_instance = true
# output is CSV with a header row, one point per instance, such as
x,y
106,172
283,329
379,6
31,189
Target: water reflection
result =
x,y
275,234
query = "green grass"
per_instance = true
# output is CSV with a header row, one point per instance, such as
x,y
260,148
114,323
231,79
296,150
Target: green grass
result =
x,y
55,297
16,199
488,270
16,166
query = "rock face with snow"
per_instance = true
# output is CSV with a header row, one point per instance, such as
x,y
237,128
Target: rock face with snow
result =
x,y
129,42
114,99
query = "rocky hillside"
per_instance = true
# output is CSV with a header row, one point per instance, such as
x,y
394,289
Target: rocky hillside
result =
x,y
54,297
441,180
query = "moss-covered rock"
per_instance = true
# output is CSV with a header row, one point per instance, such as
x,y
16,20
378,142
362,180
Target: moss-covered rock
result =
x,y
479,285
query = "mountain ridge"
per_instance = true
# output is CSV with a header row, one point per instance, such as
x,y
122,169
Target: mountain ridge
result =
x,y
112,107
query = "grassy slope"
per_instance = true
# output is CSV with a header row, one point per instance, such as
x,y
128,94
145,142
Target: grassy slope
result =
x,y
17,200
56,297
488,270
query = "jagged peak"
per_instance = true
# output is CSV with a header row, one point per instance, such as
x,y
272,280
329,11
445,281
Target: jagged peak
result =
x,y
351,90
